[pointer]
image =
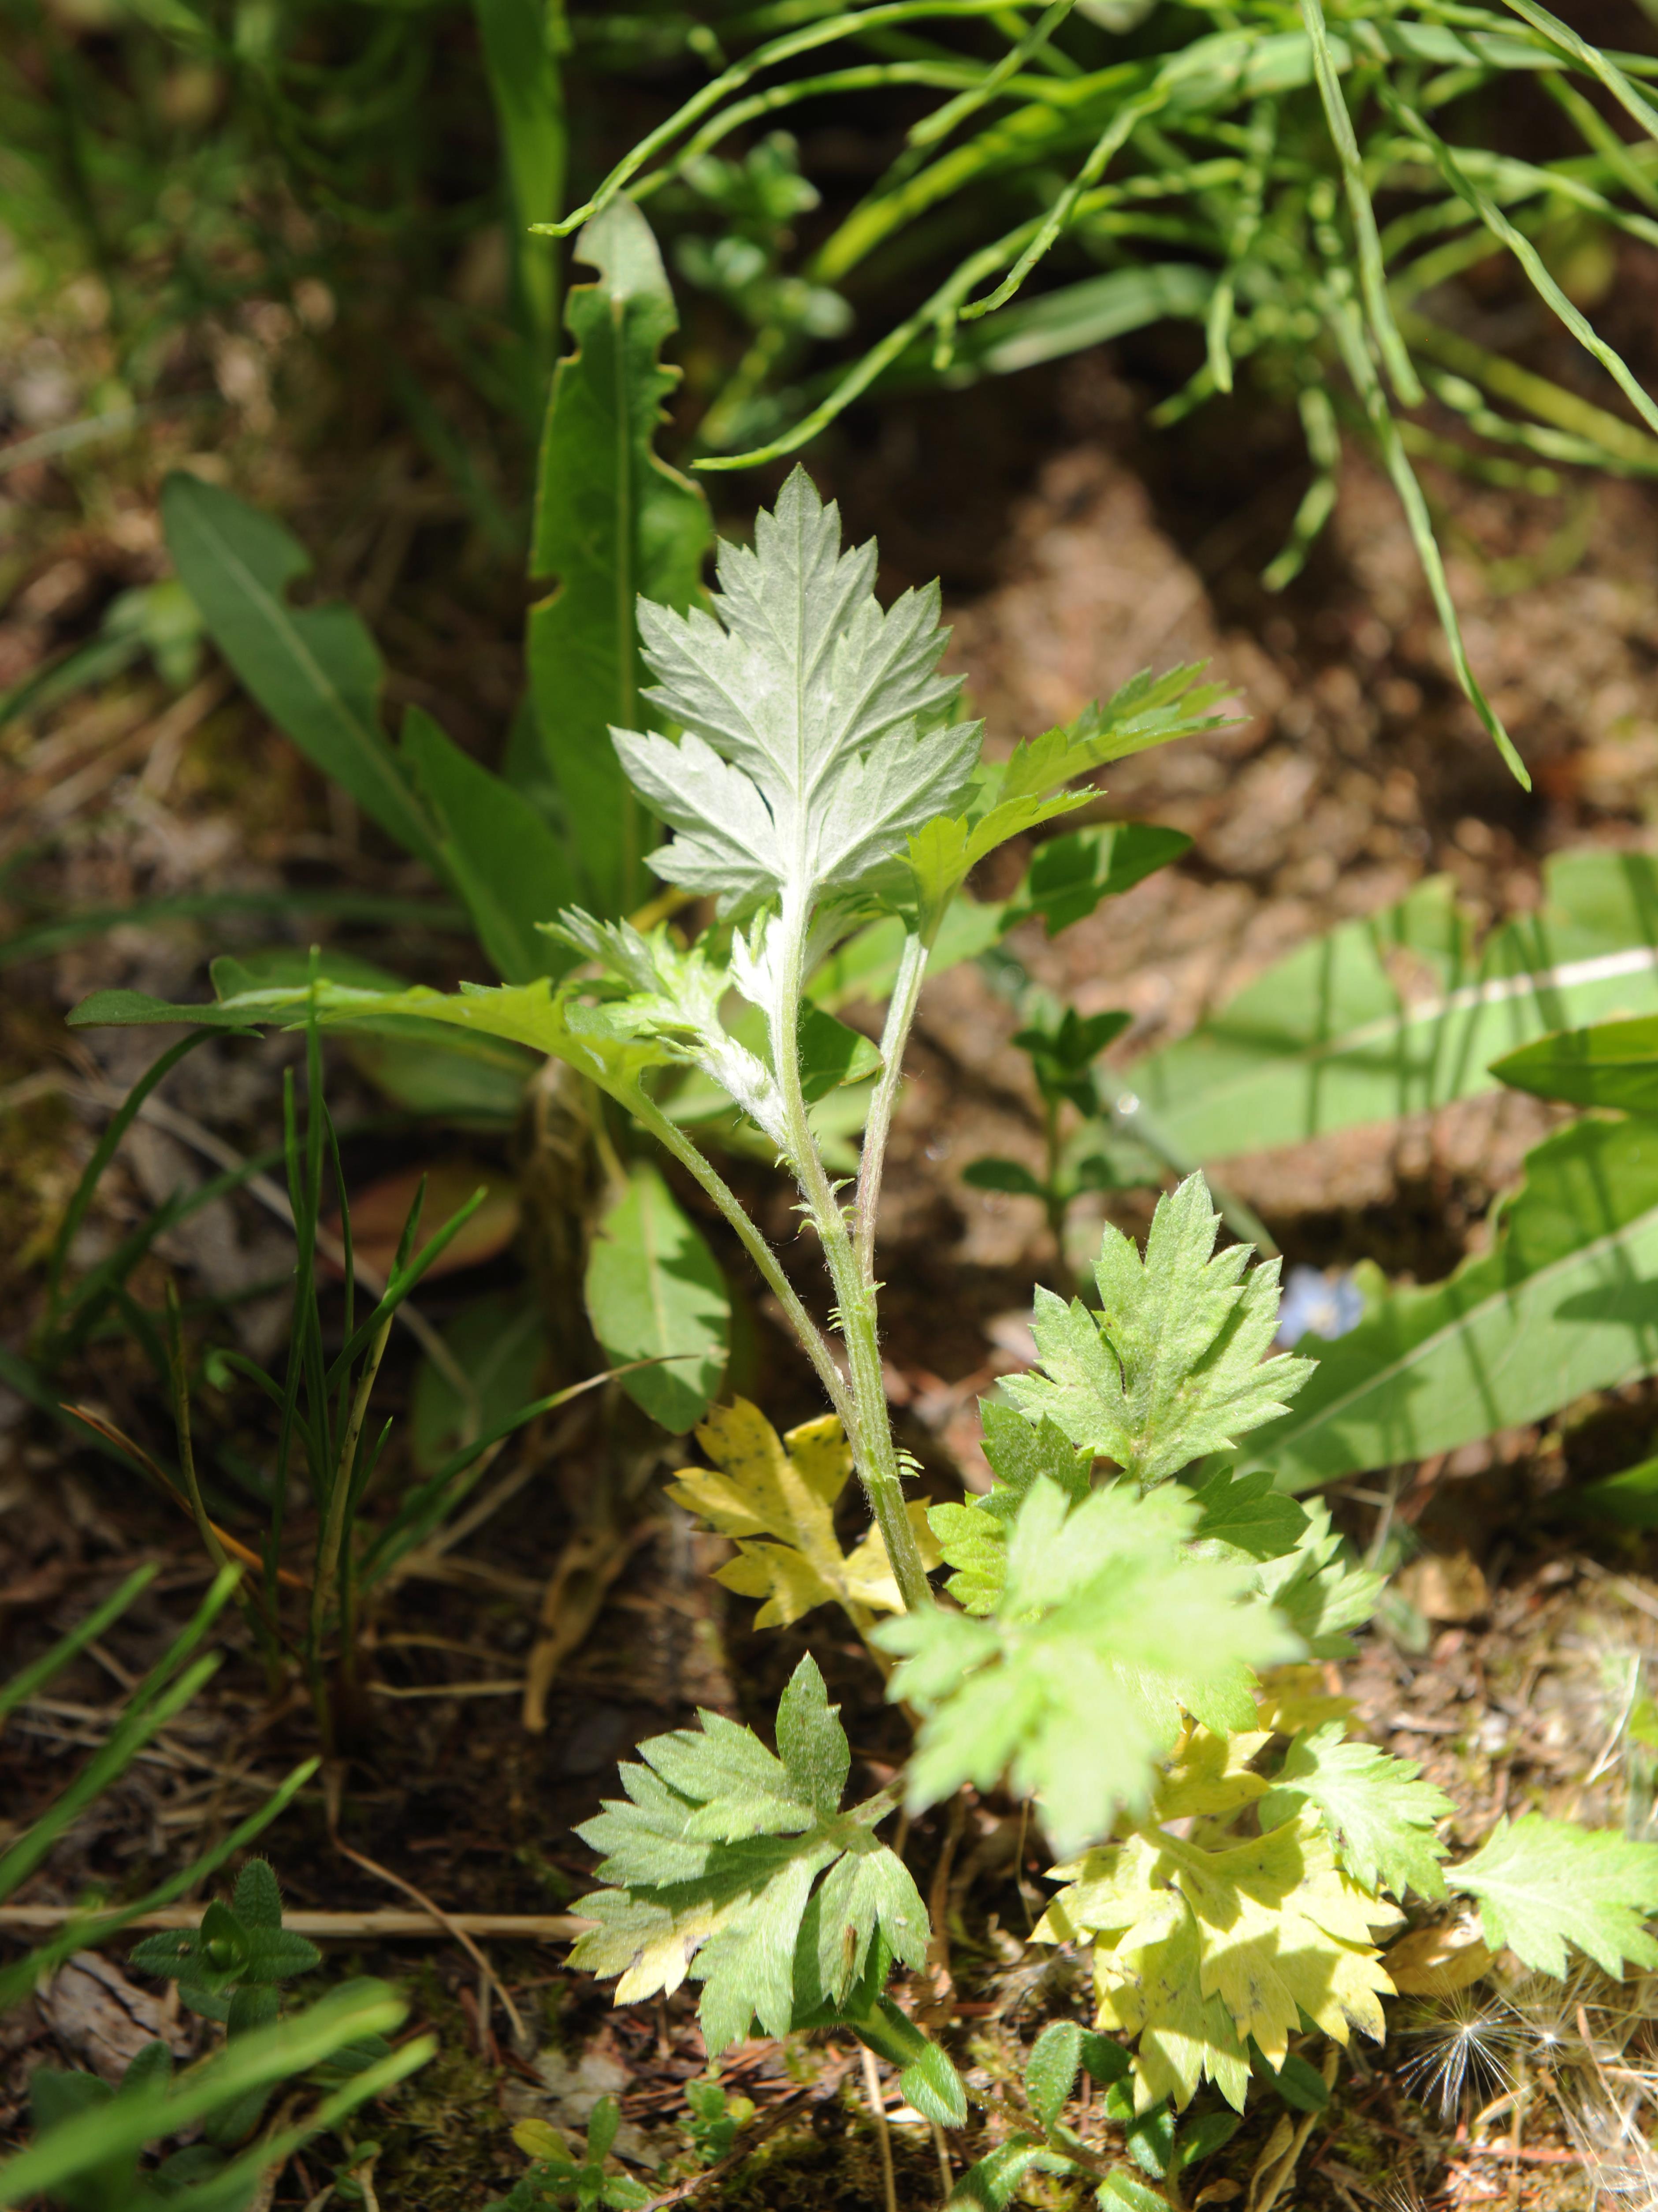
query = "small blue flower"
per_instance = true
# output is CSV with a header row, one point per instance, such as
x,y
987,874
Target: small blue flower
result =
x,y
1317,1304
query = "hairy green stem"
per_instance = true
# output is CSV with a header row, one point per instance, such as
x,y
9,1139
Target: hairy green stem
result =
x,y
894,1035
675,1140
870,1430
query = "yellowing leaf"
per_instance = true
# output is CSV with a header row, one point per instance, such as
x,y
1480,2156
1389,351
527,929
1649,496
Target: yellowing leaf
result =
x,y
1285,1932
1113,1887
774,1495
1212,1775
1291,1699
1152,1988
1197,1949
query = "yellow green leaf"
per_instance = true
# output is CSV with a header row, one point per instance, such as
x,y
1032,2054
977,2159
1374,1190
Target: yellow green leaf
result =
x,y
775,1497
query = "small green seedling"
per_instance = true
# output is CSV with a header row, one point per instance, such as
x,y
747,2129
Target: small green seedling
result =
x,y
558,2175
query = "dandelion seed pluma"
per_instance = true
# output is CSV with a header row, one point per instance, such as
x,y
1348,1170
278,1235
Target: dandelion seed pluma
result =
x,y
1463,2041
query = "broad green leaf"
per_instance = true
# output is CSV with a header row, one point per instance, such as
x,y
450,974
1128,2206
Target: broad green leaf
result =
x,y
316,671
500,1343
1208,2133
1376,1810
476,1081
1541,1884
715,1855
521,60
1069,876
775,1497
1062,1052
110,1010
1390,1016
1301,2087
1566,1302
829,1052
613,523
1174,1367
1628,1499
973,1536
926,2077
1108,1629
1614,1064
498,852
655,1291
1008,1177
1249,1514
819,733
257,1898
865,968
1121,2192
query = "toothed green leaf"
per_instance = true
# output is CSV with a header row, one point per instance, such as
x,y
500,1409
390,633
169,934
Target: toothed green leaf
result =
x,y
1174,1366
819,733
972,1537
1107,1630
1376,1810
1245,1512
1543,1884
1318,1589
716,1854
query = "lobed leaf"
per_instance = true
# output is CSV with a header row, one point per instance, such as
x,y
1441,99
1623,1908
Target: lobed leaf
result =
x,y
1199,1949
775,1497
1376,1809
1174,1367
972,1537
1108,1630
655,1291
1542,1885
1319,1590
736,1867
817,731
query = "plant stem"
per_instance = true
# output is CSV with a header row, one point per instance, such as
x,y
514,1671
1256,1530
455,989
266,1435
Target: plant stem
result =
x,y
894,1034
871,1430
675,1140
179,1379
334,1536
1056,1203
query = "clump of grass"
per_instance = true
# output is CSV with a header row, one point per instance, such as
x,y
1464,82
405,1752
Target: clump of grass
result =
x,y
1306,185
